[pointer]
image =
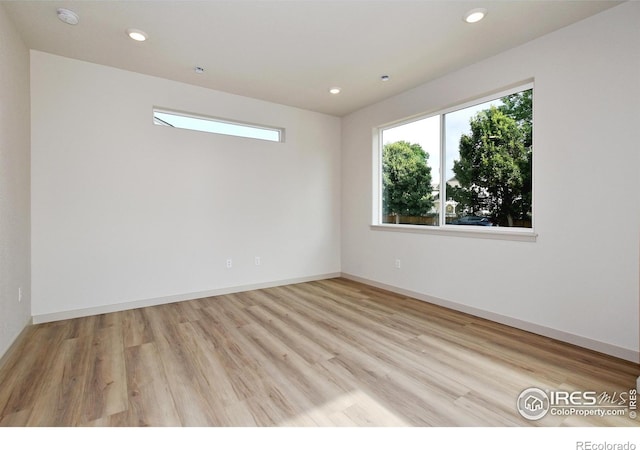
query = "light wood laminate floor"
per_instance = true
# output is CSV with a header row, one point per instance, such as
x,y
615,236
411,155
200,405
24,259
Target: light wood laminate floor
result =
x,y
325,353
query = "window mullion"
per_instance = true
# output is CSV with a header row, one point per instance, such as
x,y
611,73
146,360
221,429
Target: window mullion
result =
x,y
443,162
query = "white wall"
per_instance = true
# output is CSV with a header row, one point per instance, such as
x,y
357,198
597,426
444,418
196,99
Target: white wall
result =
x,y
579,280
14,183
126,211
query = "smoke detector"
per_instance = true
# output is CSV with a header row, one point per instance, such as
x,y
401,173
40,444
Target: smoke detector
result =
x,y
68,16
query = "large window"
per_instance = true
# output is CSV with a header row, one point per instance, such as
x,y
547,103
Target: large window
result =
x,y
470,165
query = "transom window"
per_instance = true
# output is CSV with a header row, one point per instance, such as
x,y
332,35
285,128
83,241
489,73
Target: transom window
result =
x,y
470,165
218,126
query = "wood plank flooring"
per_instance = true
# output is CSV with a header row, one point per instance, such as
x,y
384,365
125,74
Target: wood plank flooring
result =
x,y
325,353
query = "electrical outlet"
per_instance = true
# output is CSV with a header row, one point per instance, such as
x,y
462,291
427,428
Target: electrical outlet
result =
x,y
229,263
398,264
257,261
19,294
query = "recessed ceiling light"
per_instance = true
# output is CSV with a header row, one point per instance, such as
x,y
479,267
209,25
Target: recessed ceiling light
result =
x,y
385,78
137,35
475,15
334,90
198,69
68,16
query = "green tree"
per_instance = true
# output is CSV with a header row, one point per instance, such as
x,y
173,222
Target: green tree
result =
x,y
406,180
519,106
493,165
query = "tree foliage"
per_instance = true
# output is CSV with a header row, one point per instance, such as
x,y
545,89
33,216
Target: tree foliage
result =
x,y
494,169
406,180
519,107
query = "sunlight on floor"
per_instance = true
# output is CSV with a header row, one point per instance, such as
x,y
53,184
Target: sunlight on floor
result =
x,y
355,408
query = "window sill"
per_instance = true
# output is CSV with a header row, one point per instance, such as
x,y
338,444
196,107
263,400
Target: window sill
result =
x,y
520,234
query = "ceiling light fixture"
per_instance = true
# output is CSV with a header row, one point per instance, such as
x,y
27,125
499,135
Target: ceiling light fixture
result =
x,y
68,16
385,78
334,90
198,69
137,35
475,15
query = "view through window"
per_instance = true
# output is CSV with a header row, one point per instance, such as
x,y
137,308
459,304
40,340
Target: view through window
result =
x,y
483,155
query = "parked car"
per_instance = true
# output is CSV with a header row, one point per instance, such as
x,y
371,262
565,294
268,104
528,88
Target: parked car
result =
x,y
473,220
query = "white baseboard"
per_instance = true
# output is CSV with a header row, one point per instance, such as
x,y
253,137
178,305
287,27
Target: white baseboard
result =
x,y
84,312
581,341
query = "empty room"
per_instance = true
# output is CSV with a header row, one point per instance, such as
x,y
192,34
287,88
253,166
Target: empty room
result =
x,y
319,213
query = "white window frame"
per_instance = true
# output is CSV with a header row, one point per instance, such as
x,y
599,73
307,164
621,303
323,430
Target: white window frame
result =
x,y
235,127
507,233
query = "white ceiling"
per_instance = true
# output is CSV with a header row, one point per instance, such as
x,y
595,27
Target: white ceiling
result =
x,y
292,52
